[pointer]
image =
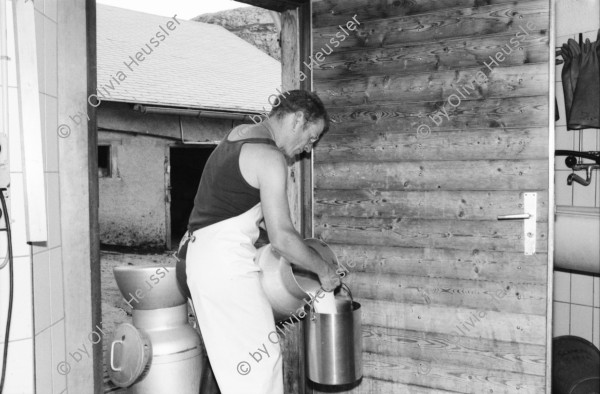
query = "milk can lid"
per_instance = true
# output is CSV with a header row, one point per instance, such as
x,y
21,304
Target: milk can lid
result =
x,y
128,354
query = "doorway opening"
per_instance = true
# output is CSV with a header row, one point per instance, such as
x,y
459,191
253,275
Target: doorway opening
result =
x,y
187,164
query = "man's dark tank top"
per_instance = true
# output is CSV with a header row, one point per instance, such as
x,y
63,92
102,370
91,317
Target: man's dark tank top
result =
x,y
223,192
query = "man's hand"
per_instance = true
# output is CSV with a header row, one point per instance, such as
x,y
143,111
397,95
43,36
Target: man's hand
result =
x,y
329,278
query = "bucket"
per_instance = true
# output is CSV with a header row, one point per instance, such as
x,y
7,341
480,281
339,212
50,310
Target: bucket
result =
x,y
575,366
333,344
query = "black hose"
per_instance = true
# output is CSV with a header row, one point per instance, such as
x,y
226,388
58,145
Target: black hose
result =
x,y
10,298
585,155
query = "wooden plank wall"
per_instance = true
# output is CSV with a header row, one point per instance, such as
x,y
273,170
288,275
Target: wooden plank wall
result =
x,y
450,302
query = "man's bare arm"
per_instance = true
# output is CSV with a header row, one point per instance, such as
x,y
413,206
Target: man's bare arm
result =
x,y
271,172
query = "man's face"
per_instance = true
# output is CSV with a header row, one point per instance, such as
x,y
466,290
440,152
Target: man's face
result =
x,y
303,134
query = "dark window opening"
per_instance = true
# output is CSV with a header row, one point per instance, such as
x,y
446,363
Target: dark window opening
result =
x,y
104,161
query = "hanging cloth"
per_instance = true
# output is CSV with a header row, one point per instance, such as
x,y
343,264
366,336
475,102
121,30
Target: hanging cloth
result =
x,y
581,84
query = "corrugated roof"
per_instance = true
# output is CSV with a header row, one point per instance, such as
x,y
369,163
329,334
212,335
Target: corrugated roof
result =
x,y
197,65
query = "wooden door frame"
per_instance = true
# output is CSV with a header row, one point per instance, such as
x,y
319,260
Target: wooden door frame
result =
x,y
276,5
551,191
306,165
79,191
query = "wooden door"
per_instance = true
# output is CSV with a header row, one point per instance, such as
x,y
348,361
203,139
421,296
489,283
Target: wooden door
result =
x,y
441,125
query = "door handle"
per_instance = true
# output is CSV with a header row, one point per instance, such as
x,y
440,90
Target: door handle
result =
x,y
519,216
529,222
112,356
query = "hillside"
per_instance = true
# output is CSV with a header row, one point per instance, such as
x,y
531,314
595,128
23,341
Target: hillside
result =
x,y
252,24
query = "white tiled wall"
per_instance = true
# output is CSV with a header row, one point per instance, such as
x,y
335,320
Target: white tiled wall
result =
x,y
577,306
576,297
37,329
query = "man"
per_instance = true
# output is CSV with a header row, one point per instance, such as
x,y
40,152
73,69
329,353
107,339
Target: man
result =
x,y
243,182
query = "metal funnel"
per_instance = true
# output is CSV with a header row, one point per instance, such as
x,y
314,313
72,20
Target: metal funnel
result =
x,y
149,287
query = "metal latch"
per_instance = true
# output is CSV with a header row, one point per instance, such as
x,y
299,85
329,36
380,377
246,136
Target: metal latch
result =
x,y
529,221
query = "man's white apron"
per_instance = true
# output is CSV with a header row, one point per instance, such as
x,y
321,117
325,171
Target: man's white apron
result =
x,y
234,314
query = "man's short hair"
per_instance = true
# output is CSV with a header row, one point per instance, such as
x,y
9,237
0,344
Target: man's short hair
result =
x,y
301,100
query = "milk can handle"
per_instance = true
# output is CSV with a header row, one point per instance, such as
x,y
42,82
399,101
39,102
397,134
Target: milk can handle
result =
x,y
345,287
112,355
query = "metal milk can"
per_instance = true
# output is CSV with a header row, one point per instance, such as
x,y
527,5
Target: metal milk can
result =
x,y
159,353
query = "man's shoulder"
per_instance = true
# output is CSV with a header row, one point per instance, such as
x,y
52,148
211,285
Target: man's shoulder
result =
x,y
262,161
264,153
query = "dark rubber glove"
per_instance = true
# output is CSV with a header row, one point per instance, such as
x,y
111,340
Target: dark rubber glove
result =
x,y
570,53
585,110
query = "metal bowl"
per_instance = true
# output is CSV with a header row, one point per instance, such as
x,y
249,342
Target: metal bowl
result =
x,y
286,285
149,287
